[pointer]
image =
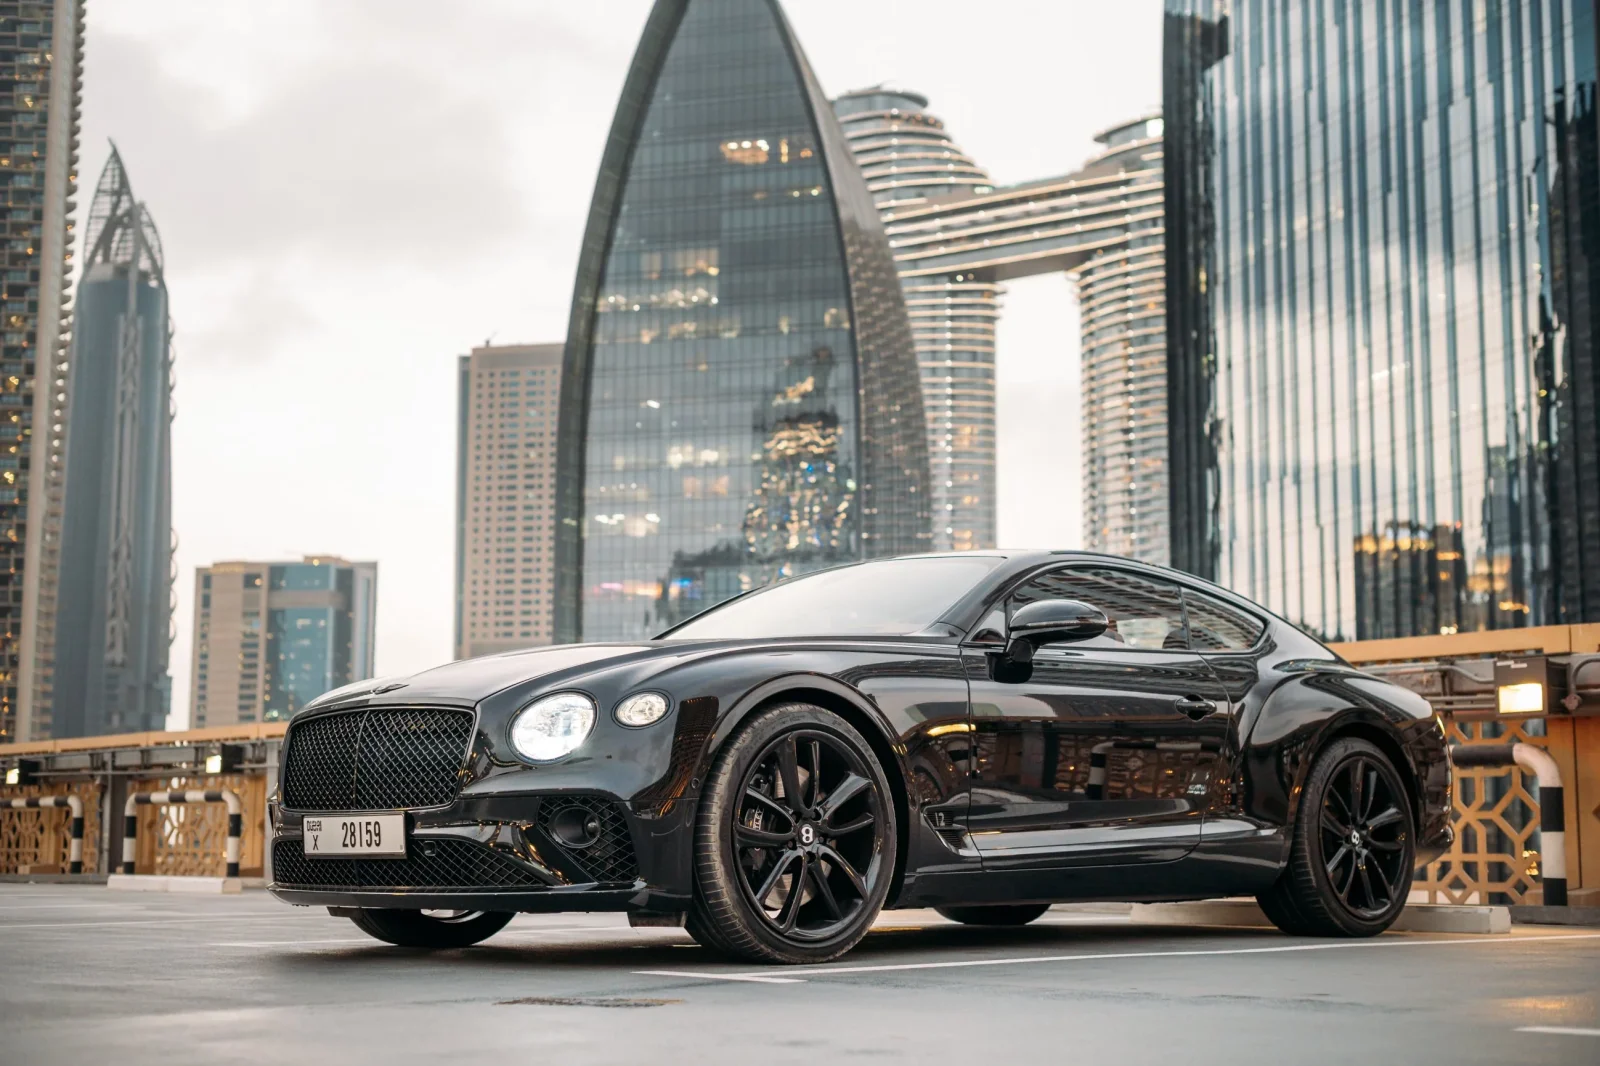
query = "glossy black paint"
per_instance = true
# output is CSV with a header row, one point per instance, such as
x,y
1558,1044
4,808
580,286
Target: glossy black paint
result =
x,y
967,741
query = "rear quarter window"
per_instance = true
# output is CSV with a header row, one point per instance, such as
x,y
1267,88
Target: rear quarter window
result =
x,y
1218,626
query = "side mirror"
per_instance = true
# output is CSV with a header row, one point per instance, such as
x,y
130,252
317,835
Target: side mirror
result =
x,y
1052,622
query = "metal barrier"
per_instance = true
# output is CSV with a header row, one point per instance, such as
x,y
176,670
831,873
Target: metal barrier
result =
x,y
1552,805
130,831
71,803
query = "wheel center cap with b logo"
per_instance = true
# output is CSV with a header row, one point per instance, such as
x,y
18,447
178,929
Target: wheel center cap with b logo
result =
x,y
808,835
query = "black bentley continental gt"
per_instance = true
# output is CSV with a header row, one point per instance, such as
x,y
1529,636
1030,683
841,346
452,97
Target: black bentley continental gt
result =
x,y
985,733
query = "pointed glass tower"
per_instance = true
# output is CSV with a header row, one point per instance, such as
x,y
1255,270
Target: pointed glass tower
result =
x,y
115,592
740,396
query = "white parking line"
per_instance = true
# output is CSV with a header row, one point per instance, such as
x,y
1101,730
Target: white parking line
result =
x,y
1031,960
1558,1030
533,931
8,926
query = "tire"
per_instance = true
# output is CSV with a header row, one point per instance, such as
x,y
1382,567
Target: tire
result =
x,y
999,915
824,854
1352,856
422,929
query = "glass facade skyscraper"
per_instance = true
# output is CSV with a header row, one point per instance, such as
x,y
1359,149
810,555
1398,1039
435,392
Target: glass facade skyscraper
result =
x,y
113,590
270,637
740,397
1381,219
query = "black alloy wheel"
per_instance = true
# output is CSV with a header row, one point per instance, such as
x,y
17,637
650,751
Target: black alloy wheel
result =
x,y
1350,866
796,840
433,930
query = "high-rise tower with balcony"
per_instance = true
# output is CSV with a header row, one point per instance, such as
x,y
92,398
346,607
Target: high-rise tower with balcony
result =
x,y
41,81
957,238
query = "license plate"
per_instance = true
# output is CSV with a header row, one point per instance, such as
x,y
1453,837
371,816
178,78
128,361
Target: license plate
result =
x,y
345,836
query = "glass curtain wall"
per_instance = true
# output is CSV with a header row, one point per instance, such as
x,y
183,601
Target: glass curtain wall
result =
x,y
740,363
1380,344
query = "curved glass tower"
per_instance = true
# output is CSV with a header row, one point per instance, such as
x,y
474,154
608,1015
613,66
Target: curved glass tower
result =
x,y
740,397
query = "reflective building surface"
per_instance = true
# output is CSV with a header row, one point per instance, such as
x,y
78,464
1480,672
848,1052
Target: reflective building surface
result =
x,y
1381,335
114,583
957,237
739,392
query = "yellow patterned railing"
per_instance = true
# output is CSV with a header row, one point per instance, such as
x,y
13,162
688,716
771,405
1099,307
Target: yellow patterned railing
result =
x,y
186,840
36,841
1495,856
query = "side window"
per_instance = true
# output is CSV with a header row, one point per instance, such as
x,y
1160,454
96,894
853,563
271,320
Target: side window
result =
x,y
1144,612
1218,626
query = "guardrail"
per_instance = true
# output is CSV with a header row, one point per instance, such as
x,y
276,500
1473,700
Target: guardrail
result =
x,y
1552,805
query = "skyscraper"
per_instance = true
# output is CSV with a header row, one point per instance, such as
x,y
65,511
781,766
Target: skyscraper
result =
x,y
957,237
1382,345
41,76
270,637
740,397
114,583
505,496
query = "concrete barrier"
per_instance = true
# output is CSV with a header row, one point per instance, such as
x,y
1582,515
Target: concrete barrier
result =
x,y
164,883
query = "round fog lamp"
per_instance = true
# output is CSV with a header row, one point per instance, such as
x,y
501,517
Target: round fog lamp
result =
x,y
644,708
553,727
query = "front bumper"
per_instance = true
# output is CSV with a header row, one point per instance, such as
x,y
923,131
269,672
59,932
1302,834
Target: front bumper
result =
x,y
504,852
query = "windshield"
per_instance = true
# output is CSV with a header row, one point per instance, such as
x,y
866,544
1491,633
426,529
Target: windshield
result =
x,y
890,597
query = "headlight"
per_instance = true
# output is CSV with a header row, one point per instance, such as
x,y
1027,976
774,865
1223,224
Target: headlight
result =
x,y
642,708
553,727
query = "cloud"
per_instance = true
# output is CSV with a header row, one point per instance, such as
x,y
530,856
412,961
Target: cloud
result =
x,y
366,160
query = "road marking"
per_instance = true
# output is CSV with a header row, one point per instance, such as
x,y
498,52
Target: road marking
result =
x,y
7,926
291,943
1558,1030
1027,960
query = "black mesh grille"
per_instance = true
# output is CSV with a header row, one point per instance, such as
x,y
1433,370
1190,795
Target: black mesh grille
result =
x,y
610,858
453,864
383,759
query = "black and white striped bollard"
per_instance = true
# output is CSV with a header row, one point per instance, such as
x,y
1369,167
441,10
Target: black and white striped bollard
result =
x,y
130,820
1552,805
72,803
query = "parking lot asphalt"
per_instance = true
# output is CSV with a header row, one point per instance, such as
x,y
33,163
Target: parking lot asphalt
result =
x,y
89,974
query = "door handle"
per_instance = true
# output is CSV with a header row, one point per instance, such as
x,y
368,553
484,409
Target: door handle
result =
x,y
1195,707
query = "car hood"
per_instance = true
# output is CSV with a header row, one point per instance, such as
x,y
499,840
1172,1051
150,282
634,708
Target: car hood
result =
x,y
474,679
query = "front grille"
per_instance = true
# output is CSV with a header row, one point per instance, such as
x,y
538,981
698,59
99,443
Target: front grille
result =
x,y
453,864
374,760
610,858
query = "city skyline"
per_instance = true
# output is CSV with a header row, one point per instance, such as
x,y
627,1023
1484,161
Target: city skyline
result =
x,y
277,328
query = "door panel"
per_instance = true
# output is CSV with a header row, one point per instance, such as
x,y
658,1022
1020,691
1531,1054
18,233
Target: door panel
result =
x,y
1100,751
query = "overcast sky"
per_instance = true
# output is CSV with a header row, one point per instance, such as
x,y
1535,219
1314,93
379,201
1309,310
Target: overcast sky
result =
x,y
351,193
